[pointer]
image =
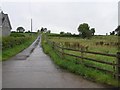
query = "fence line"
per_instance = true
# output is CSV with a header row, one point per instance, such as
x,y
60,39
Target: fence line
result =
x,y
112,55
116,72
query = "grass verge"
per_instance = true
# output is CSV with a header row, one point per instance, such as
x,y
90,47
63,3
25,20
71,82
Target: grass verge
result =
x,y
6,54
70,65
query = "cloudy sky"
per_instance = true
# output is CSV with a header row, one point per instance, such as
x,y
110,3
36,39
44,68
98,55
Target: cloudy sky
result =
x,y
62,15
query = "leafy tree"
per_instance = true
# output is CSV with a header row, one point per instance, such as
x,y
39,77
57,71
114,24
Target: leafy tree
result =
x,y
62,33
118,30
112,33
29,31
93,31
89,34
42,29
84,30
48,31
74,34
68,33
45,29
38,30
20,29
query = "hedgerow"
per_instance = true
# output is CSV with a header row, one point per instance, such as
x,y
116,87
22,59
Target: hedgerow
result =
x,y
10,42
17,35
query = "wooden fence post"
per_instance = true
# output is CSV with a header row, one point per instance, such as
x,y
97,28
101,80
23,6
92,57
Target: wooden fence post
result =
x,y
118,66
114,70
82,55
53,45
45,37
62,52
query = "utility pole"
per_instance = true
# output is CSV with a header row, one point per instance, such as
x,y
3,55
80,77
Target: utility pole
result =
x,y
31,25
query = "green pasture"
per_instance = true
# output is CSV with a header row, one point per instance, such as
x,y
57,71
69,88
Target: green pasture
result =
x,y
73,64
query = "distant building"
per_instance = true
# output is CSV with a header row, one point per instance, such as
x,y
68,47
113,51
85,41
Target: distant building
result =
x,y
5,26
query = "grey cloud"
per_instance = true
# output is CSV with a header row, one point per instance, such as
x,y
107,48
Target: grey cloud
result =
x,y
63,16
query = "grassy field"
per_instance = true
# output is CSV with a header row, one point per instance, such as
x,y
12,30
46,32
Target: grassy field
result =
x,y
69,62
15,43
111,49
91,43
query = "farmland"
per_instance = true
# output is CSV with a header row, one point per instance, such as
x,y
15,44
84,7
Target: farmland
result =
x,y
15,43
101,44
109,43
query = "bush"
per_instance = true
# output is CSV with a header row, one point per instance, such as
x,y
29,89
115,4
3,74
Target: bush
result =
x,y
10,42
63,35
17,35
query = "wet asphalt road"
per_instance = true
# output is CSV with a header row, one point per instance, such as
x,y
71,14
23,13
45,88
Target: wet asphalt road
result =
x,y
36,70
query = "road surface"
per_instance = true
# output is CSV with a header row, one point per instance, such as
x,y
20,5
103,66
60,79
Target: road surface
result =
x,y
34,69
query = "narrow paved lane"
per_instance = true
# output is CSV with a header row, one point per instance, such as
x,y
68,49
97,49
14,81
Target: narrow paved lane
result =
x,y
36,70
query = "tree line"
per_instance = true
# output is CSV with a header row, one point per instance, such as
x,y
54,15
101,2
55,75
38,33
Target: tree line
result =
x,y
84,31
116,31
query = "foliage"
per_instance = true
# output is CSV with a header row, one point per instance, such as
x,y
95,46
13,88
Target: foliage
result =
x,y
48,31
28,31
118,30
17,35
83,27
15,39
68,33
84,30
10,42
20,29
63,35
38,30
13,44
62,32
43,30
112,33
93,31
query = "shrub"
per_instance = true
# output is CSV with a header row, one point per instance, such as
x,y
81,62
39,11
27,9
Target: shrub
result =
x,y
10,42
17,35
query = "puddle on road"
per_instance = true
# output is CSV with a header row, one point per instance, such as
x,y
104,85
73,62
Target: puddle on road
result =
x,y
21,57
35,45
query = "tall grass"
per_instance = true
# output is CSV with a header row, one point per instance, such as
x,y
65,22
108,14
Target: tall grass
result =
x,y
91,43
